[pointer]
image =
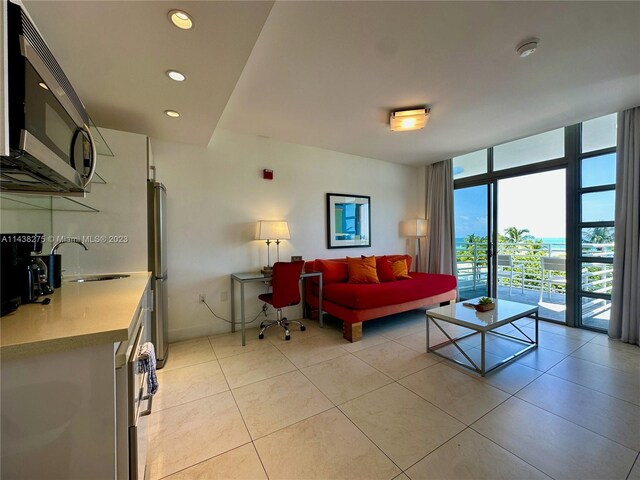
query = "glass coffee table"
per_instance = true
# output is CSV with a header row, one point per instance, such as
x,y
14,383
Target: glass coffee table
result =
x,y
483,324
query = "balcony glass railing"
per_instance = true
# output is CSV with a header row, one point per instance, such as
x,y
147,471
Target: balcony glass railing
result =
x,y
527,276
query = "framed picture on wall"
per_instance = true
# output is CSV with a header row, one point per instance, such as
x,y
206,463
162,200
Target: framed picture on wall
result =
x,y
348,220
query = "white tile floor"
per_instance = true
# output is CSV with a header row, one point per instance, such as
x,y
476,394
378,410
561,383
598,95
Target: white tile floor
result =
x,y
320,407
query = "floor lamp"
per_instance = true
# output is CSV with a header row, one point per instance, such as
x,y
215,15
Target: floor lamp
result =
x,y
416,228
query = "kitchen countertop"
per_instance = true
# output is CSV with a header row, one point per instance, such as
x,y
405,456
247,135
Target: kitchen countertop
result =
x,y
80,314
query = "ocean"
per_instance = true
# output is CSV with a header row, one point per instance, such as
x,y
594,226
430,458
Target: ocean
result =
x,y
555,245
553,240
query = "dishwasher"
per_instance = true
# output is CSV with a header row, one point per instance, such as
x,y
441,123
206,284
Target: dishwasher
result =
x,y
133,403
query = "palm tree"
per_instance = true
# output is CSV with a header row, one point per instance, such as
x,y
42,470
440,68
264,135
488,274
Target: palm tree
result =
x,y
473,238
513,235
598,235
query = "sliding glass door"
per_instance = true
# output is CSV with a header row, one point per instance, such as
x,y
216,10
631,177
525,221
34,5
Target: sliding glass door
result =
x,y
523,258
532,245
472,240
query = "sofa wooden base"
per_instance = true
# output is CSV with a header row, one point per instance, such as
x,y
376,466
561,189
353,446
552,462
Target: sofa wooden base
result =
x,y
352,331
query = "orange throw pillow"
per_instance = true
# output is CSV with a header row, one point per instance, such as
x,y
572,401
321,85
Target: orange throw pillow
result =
x,y
362,270
400,269
393,258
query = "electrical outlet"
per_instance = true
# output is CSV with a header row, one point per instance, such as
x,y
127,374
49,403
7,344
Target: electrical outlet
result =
x,y
224,296
202,298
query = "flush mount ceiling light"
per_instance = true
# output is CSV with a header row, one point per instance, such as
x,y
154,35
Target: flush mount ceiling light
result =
x,y
175,75
527,47
181,19
172,113
403,120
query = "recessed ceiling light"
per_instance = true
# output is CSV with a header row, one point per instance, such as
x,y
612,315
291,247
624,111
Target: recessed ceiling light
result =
x,y
181,19
403,120
43,85
172,113
527,47
175,75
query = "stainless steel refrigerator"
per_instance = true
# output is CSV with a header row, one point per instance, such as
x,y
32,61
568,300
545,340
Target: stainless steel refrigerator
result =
x,y
157,236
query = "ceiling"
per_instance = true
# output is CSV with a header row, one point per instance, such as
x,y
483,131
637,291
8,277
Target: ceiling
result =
x,y
116,53
327,74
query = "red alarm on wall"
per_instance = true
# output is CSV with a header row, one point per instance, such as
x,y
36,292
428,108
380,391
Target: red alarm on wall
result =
x,y
267,174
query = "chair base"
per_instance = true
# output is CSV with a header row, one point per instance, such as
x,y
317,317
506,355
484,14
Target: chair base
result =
x,y
281,322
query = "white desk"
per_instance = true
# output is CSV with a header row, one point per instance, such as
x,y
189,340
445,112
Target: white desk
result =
x,y
249,277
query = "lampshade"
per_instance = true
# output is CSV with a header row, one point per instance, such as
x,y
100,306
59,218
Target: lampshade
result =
x,y
273,230
414,228
403,120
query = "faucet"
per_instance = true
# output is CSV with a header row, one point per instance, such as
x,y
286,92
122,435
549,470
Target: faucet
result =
x,y
68,240
55,275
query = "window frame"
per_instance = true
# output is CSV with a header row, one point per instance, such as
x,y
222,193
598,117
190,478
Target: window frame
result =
x,y
572,162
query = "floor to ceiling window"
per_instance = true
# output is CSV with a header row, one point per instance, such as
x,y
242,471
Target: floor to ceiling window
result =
x,y
596,203
534,222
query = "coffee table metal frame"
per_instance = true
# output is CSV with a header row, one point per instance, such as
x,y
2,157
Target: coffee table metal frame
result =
x,y
436,315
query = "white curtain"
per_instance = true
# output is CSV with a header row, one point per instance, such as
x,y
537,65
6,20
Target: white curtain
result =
x,y
625,298
440,245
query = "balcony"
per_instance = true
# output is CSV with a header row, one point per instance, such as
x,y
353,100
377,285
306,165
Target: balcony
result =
x,y
523,281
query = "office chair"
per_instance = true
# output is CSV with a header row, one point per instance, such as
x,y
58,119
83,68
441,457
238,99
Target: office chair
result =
x,y
285,292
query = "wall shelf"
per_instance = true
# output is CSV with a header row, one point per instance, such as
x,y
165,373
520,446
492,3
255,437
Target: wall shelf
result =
x,y
97,178
102,148
10,201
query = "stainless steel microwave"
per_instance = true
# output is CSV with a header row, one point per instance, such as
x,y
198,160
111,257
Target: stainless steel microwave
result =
x,y
51,149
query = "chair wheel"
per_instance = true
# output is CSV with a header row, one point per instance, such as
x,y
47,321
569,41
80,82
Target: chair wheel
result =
x,y
302,328
261,336
287,337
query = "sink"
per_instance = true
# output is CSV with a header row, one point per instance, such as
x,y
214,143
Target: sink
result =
x,y
98,278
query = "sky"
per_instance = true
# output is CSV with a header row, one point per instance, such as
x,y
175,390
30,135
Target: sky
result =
x,y
536,202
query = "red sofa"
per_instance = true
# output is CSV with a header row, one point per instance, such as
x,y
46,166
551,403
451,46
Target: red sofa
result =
x,y
356,303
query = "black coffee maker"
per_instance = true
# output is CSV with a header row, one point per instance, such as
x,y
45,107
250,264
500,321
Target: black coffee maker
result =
x,y
23,276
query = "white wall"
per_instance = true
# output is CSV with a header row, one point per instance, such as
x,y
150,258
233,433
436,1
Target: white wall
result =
x,y
217,194
122,205
14,219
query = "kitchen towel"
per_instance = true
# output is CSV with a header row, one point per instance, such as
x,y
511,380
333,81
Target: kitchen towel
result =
x,y
148,364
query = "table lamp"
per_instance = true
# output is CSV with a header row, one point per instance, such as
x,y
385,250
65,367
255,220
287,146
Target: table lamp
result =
x,y
272,230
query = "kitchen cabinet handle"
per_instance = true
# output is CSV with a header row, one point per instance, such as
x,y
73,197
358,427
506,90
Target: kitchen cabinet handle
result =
x,y
149,399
